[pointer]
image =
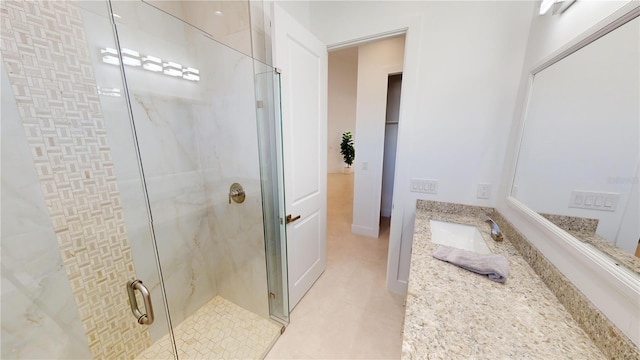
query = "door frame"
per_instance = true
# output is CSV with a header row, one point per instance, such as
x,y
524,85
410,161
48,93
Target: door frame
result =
x,y
403,203
403,208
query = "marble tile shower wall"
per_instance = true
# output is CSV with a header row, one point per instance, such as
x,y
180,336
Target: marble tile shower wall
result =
x,y
230,148
195,140
49,69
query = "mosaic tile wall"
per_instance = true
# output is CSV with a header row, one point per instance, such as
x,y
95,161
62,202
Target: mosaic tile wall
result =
x,y
47,59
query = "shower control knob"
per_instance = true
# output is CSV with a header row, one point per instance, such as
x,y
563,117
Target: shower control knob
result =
x,y
236,193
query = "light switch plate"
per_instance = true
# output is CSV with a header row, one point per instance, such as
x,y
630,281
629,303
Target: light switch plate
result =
x,y
424,186
594,200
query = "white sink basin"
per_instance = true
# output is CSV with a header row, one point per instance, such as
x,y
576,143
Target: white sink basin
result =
x,y
459,236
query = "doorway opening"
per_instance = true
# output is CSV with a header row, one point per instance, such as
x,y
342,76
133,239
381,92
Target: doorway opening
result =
x,y
359,95
357,235
364,92
392,119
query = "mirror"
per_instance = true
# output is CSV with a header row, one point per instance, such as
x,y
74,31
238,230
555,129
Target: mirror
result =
x,y
580,148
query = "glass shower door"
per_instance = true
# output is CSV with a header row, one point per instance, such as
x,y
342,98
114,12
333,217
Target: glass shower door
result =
x,y
193,105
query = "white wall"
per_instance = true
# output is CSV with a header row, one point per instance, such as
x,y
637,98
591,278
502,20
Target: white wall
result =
x,y
461,72
375,62
299,10
343,75
591,274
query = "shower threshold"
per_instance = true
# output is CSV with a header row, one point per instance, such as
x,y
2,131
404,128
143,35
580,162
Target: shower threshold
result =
x,y
218,330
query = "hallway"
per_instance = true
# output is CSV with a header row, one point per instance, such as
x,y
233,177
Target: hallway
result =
x,y
348,313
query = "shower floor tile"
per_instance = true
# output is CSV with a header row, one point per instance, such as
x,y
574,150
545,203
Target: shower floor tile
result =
x,y
218,330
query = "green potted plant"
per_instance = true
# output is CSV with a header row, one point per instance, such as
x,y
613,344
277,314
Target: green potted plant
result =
x,y
348,151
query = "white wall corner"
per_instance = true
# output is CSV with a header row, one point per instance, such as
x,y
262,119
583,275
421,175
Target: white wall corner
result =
x,y
366,231
409,104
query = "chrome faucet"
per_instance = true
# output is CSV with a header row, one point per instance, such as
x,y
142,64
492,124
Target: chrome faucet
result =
x,y
496,234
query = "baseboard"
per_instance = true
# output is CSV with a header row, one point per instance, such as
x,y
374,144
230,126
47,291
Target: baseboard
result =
x,y
397,286
366,231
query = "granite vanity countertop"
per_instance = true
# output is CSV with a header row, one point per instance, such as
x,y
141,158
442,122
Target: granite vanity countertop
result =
x,y
452,313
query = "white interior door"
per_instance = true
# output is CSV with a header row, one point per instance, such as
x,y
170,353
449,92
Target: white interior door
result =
x,y
302,60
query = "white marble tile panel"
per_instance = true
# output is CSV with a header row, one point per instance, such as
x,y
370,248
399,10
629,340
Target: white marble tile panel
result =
x,y
228,147
228,136
39,315
238,246
165,134
185,268
40,321
175,195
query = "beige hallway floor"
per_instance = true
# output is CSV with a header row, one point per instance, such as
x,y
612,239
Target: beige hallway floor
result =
x,y
348,313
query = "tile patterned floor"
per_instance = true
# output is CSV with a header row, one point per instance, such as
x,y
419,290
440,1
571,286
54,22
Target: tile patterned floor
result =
x,y
218,330
348,313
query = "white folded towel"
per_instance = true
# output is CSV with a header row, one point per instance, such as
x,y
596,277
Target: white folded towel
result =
x,y
495,266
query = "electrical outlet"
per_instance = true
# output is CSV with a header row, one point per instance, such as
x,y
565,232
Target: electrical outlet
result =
x,y
424,186
484,191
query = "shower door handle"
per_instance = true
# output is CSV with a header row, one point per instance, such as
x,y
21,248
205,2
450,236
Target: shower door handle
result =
x,y
143,319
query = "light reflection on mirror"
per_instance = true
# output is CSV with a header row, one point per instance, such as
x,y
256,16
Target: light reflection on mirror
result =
x,y
580,149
